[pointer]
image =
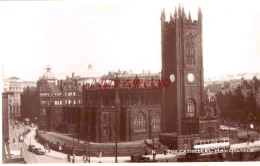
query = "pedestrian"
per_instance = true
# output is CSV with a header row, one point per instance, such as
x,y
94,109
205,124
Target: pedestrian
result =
x,y
68,157
48,148
13,126
13,140
73,160
100,155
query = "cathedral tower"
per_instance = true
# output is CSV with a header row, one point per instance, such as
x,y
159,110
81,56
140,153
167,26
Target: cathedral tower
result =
x,y
182,62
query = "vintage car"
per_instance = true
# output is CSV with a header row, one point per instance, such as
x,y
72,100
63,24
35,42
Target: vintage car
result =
x,y
139,158
38,151
31,148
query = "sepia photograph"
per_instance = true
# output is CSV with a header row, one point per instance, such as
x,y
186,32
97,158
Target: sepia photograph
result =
x,y
171,81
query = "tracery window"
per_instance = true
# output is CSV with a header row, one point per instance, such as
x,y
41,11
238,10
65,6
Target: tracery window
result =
x,y
190,109
139,122
156,122
190,53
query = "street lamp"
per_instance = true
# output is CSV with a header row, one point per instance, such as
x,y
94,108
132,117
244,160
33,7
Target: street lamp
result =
x,y
89,136
36,121
248,118
116,130
117,108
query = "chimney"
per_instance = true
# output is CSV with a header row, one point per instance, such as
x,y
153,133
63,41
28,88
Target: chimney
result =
x,y
57,83
73,75
61,85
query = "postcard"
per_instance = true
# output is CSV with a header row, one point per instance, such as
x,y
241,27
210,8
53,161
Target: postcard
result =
x,y
130,82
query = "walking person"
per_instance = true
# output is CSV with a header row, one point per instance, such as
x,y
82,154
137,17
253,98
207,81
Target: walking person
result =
x,y
73,160
68,157
99,156
48,148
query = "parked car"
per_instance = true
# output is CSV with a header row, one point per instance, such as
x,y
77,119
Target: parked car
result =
x,y
38,151
31,148
139,158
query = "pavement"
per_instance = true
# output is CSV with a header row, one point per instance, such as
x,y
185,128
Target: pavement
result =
x,y
61,157
241,132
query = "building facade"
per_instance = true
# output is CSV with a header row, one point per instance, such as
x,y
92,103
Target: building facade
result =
x,y
15,86
71,106
134,112
51,101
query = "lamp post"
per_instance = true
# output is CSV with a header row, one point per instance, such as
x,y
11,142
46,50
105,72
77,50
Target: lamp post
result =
x,y
36,121
150,125
117,108
248,118
116,127
73,143
89,135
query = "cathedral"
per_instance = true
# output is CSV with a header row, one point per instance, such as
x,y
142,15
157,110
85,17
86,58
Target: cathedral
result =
x,y
178,114
185,116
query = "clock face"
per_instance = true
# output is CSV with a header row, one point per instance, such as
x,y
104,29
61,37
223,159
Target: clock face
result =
x,y
190,77
172,78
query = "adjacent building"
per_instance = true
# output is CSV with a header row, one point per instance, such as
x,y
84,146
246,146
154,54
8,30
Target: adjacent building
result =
x,y
74,106
15,86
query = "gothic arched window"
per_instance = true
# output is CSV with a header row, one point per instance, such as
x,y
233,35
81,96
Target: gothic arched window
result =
x,y
104,131
156,122
190,109
190,53
139,122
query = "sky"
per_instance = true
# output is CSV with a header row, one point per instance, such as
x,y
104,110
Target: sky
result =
x,y
125,35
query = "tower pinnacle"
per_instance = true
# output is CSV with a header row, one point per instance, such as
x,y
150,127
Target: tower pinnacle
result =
x,y
189,16
199,14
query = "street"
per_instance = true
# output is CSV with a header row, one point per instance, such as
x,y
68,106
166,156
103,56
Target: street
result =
x,y
27,155
57,157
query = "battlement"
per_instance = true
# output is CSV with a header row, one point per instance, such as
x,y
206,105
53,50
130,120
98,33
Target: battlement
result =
x,y
180,17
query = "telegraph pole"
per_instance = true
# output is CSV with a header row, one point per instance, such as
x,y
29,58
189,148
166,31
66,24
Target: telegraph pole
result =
x,y
89,136
117,109
153,150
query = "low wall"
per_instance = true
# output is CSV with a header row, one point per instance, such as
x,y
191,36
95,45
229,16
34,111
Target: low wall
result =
x,y
239,124
80,150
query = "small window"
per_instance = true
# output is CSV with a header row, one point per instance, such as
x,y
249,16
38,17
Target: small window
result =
x,y
218,141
